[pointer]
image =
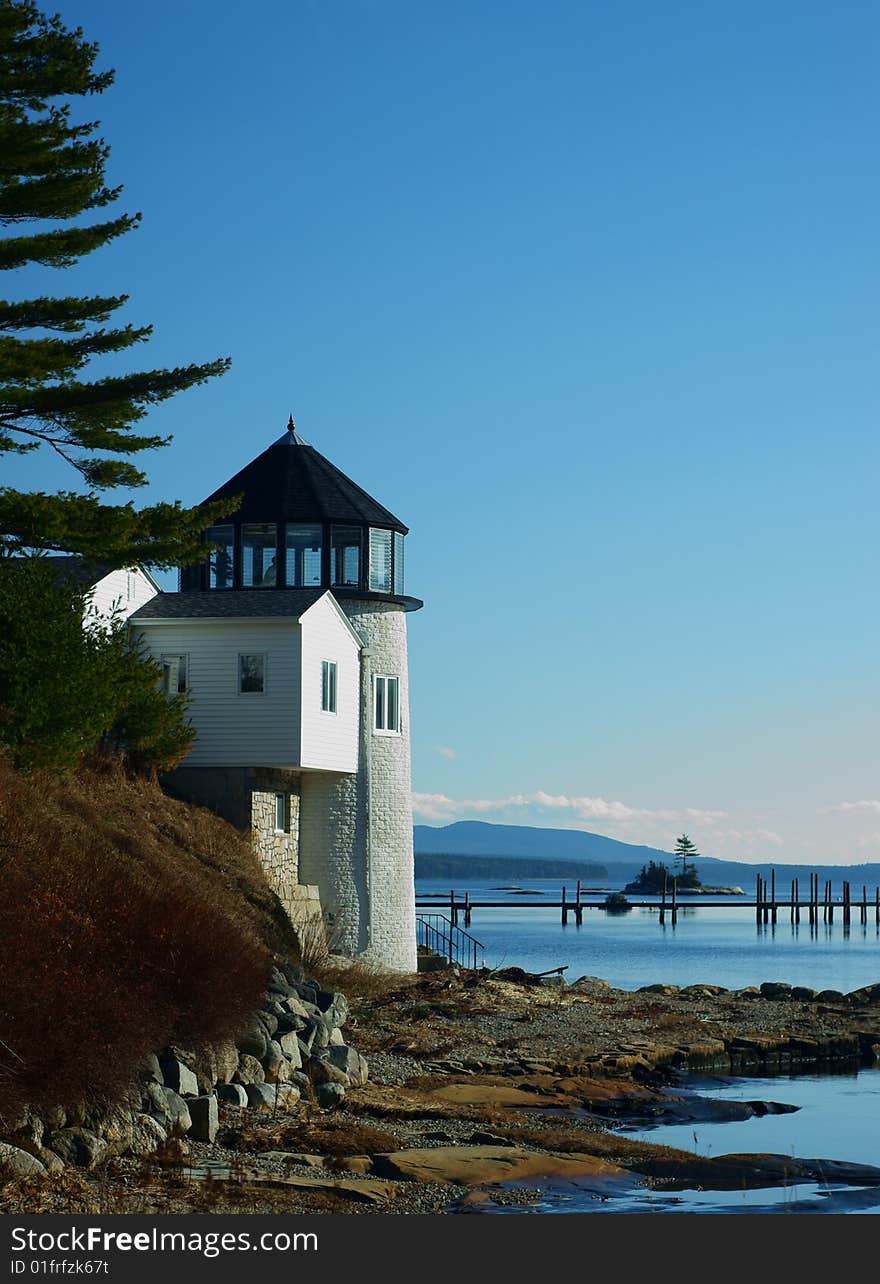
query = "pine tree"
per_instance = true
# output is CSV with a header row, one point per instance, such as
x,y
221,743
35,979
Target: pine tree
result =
x,y
52,170
685,850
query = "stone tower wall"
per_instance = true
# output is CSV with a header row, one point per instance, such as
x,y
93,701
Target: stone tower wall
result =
x,y
356,831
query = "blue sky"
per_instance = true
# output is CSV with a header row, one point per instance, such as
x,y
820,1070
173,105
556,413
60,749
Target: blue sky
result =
x,y
587,294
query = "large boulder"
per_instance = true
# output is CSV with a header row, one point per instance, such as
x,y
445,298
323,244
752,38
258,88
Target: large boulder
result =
x,y
289,1046
146,1135
234,1094
294,1006
253,1039
349,1060
249,1070
154,1102
114,1126
179,1117
323,1071
276,1066
330,1096
333,1006
178,1076
268,1021
776,990
78,1146
272,1096
15,1162
151,1068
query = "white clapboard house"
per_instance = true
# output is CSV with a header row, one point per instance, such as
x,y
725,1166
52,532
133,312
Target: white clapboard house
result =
x,y
291,642
111,593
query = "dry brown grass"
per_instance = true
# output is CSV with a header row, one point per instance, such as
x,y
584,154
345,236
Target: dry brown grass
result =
x,y
366,985
320,1135
127,921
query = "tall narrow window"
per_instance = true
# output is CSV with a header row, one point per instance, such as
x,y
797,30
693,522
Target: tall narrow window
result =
x,y
386,703
174,675
328,686
380,560
282,814
345,555
398,562
251,674
303,556
258,565
221,560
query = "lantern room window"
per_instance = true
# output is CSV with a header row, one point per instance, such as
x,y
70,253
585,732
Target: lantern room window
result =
x,y
345,555
304,547
398,563
258,562
221,562
380,561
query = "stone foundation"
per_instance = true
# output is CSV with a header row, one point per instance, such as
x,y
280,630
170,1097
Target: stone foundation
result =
x,y
245,796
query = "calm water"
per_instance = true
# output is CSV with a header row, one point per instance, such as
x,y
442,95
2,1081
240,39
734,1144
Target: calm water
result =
x,y
839,1115
837,1119
717,946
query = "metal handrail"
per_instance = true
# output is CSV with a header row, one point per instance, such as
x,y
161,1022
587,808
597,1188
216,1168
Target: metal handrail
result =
x,y
436,932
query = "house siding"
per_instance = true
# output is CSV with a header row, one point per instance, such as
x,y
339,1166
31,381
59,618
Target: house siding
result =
x,y
121,592
235,729
329,740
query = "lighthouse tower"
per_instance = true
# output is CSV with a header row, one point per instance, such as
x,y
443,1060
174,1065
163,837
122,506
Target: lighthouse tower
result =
x,y
306,550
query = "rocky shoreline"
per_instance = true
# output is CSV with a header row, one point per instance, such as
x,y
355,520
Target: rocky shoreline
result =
x,y
468,1091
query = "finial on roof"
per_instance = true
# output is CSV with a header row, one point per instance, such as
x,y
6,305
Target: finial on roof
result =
x,y
291,436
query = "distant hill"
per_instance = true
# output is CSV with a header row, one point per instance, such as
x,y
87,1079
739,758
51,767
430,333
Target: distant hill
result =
x,y
443,865
477,838
528,845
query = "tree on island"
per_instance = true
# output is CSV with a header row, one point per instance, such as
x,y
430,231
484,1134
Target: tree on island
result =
x,y
685,850
51,172
655,876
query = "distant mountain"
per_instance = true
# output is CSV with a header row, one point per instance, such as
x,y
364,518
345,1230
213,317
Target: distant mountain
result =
x,y
452,868
477,838
527,845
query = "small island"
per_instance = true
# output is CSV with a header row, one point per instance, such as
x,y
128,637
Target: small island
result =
x,y
655,877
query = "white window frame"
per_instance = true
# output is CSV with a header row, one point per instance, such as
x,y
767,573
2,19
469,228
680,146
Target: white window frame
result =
x,y
385,730
176,655
250,695
331,669
285,813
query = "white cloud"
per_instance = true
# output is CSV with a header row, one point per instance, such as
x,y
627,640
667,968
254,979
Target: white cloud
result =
x,y
748,837
445,752
866,804
583,807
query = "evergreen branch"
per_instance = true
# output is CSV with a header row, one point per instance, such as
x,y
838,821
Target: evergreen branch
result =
x,y
63,247
66,314
95,439
162,535
30,362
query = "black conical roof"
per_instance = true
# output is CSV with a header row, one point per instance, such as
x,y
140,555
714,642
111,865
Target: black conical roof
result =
x,y
293,482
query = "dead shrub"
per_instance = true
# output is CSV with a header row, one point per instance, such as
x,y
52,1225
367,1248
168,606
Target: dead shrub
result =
x,y
128,921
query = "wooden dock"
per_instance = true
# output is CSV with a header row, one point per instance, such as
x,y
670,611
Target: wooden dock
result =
x,y
766,904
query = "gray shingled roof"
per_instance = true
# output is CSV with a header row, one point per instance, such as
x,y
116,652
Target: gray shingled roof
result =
x,y
229,604
291,482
